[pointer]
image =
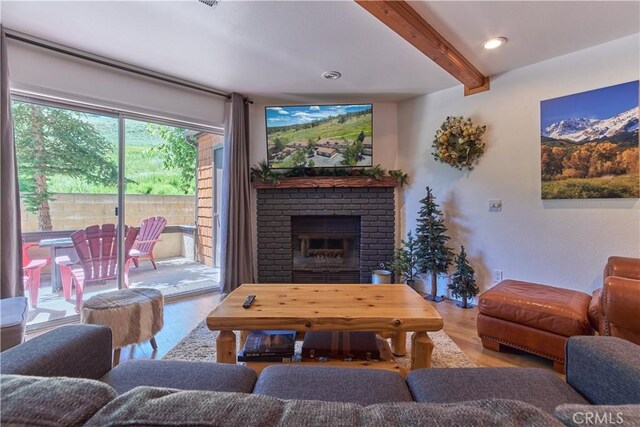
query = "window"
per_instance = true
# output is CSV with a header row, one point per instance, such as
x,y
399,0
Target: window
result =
x,y
75,172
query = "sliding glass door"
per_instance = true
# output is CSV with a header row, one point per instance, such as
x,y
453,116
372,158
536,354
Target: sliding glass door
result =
x,y
164,197
68,177
80,168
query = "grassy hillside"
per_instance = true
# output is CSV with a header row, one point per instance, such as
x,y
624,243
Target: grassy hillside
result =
x,y
144,173
144,169
329,129
136,131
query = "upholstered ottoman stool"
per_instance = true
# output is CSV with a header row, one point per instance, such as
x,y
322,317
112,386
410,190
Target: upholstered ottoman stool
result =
x,y
133,315
532,317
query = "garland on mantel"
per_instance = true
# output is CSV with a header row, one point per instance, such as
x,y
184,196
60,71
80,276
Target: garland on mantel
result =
x,y
262,172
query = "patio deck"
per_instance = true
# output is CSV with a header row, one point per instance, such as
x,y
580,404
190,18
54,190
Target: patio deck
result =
x,y
174,276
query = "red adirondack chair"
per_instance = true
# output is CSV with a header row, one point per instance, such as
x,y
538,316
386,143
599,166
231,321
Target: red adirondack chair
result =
x,y
31,270
97,250
149,234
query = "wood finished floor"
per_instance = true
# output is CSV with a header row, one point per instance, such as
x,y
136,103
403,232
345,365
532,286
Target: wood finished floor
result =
x,y
181,317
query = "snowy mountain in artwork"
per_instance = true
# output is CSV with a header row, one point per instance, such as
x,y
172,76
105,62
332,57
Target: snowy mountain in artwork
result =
x,y
585,130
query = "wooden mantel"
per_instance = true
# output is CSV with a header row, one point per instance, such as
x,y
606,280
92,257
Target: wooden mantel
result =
x,y
329,182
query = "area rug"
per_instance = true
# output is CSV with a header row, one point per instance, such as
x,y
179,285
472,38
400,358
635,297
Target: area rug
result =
x,y
200,345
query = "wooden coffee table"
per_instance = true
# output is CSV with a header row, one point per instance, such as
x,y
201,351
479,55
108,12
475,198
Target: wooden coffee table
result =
x,y
321,307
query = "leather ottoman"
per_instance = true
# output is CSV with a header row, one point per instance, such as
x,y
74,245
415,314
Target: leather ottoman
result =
x,y
532,317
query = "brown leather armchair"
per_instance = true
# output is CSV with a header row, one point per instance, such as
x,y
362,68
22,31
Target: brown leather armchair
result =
x,y
615,308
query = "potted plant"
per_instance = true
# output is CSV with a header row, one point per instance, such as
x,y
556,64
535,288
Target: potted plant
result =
x,y
463,283
433,251
406,262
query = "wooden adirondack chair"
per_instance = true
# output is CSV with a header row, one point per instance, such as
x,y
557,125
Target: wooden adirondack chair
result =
x,y
31,270
149,234
97,250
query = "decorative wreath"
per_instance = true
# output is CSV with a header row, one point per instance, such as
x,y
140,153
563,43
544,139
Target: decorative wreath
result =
x,y
458,143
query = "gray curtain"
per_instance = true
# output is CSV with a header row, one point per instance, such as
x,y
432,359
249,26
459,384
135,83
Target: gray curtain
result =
x,y
10,232
236,240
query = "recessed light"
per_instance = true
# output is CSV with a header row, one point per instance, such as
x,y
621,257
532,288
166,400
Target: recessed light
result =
x,y
331,75
494,42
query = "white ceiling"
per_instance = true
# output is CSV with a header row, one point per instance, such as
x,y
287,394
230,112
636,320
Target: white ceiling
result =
x,y
278,50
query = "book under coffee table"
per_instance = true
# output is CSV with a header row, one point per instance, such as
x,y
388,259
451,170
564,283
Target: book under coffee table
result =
x,y
397,309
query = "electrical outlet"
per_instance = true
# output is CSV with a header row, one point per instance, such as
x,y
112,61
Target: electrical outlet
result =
x,y
495,205
497,276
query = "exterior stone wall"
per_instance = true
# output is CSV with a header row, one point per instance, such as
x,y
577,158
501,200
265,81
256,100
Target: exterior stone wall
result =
x,y
275,207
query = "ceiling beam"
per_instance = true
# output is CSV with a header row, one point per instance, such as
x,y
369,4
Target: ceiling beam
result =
x,y
412,27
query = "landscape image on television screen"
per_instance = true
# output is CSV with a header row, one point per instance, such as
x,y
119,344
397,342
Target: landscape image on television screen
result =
x,y
320,136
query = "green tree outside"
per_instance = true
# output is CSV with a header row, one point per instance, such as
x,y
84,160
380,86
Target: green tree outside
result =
x,y
52,141
177,153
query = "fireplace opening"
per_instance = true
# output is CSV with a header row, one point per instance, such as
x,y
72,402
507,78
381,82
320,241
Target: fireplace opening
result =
x,y
326,249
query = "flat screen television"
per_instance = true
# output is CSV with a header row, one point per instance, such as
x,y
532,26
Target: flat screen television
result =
x,y
319,136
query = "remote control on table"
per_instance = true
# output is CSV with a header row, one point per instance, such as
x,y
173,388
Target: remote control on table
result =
x,y
247,303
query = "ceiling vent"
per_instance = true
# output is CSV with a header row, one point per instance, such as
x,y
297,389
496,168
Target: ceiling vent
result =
x,y
210,3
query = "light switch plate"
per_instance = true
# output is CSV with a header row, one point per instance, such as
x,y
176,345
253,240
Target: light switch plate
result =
x,y
497,276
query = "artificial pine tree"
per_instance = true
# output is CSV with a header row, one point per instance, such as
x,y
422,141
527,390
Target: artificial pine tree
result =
x,y
463,283
406,262
436,256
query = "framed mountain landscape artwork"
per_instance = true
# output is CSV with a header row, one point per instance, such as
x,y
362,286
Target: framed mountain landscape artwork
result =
x,y
589,144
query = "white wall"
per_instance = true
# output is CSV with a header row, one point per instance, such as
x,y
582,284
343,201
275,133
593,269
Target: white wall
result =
x,y
560,242
42,71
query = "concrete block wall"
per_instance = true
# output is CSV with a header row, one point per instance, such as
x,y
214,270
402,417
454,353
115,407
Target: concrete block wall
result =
x,y
76,211
275,207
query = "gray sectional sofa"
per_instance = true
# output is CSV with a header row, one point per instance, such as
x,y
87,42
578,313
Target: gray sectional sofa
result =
x,y
64,377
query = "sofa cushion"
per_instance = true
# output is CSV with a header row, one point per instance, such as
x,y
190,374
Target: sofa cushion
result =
x,y
167,407
604,415
557,310
13,321
170,407
538,387
180,375
478,413
53,401
330,384
81,351
605,370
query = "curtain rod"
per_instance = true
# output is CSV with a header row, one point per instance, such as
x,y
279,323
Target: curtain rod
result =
x,y
80,54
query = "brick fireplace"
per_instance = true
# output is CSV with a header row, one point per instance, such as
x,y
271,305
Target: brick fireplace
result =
x,y
332,234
